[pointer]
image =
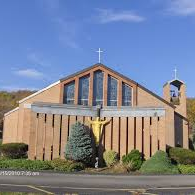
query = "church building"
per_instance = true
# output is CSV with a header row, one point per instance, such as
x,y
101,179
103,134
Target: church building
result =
x,y
138,118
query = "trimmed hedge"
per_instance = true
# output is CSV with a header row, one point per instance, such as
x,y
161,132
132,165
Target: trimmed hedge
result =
x,y
187,169
182,156
23,164
159,163
37,165
110,158
133,160
14,150
0,146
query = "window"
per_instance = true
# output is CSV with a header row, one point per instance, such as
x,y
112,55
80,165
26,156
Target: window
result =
x,y
69,93
112,91
83,90
98,88
126,95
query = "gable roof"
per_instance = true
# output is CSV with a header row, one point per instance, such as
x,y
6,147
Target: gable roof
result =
x,y
92,67
120,75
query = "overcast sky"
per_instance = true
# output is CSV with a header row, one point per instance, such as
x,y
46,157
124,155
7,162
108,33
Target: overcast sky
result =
x,y
42,41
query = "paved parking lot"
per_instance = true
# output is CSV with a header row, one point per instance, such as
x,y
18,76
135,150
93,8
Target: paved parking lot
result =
x,y
58,183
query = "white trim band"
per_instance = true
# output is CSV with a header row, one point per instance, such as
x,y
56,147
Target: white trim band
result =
x,y
15,109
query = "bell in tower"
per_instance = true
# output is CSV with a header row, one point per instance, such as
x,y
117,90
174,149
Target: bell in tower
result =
x,y
174,92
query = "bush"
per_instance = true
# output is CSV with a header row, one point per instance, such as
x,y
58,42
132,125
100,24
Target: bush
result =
x,y
133,160
24,164
66,165
37,165
187,169
110,158
0,146
182,156
159,163
14,150
79,146
119,168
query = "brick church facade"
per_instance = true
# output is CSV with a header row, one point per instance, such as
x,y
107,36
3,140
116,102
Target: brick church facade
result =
x,y
139,119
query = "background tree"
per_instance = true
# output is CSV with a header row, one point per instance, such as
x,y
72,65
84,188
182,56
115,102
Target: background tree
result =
x,y
79,147
191,113
191,118
8,101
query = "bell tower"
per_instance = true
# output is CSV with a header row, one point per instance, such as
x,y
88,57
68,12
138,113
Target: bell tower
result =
x,y
175,92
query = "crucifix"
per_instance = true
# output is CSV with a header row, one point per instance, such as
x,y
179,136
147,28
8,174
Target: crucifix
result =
x,y
175,73
99,51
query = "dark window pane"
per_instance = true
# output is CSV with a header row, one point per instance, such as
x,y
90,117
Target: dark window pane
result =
x,y
83,90
69,93
126,95
98,88
112,91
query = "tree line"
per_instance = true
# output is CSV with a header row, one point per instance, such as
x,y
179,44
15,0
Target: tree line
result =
x,y
9,101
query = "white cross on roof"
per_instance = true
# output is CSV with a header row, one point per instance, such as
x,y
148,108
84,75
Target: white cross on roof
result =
x,y
99,51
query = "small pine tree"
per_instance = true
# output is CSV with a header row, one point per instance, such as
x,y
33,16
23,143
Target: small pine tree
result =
x,y
79,146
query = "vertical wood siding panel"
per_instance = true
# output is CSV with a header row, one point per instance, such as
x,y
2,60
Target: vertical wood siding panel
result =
x,y
119,92
76,96
139,133
154,132
26,126
41,126
48,136
91,89
185,134
105,94
147,137
56,139
116,134
44,138
123,136
108,134
130,134
161,133
85,121
32,136
71,123
64,134
101,148
80,119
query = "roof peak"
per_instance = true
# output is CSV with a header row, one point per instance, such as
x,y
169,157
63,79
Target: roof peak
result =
x,y
176,80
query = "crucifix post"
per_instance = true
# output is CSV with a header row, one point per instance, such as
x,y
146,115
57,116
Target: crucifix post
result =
x,y
99,52
175,70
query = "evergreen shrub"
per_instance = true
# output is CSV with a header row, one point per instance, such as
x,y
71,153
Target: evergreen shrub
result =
x,y
159,163
182,156
14,150
133,160
79,146
186,169
110,157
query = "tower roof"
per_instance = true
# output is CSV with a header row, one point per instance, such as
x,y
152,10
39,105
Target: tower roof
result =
x,y
176,82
